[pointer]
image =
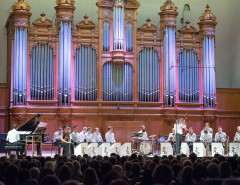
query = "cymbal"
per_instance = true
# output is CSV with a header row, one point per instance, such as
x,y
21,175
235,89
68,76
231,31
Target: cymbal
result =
x,y
153,136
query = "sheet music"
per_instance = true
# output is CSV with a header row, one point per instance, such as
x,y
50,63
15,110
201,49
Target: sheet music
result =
x,y
42,124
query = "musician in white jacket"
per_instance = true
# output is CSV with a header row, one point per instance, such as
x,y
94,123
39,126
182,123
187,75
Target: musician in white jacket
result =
x,y
190,138
88,135
97,136
109,136
144,136
220,136
82,136
237,135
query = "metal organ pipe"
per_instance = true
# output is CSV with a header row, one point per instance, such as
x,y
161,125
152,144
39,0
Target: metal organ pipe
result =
x,y
42,73
188,83
148,82
86,74
20,66
117,82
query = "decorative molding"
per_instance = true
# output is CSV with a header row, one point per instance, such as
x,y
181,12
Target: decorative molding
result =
x,y
207,23
64,11
86,26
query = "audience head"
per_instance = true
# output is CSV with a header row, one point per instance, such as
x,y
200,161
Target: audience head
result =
x,y
34,173
225,169
162,174
50,180
213,170
11,173
23,176
31,182
199,172
147,177
70,182
119,182
136,169
105,167
90,177
187,175
64,173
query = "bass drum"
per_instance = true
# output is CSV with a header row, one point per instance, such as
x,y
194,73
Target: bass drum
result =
x,y
145,148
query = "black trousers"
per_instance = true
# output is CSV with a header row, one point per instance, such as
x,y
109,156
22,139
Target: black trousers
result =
x,y
18,143
58,143
190,145
68,149
178,143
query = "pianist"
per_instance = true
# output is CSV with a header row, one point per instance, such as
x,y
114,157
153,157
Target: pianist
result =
x,y
13,138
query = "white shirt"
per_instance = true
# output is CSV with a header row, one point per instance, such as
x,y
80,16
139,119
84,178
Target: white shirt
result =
x,y
206,137
109,136
97,137
179,128
57,135
13,136
210,130
144,137
237,137
220,137
190,137
88,137
171,136
82,136
75,137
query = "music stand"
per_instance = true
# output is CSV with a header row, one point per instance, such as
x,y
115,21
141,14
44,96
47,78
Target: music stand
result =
x,y
39,130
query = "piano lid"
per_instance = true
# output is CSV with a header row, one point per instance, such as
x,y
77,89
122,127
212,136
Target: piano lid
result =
x,y
30,125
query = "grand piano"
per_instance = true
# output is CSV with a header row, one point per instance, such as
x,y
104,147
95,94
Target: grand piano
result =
x,y
33,129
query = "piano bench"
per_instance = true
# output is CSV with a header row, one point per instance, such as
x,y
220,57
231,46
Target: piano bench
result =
x,y
9,148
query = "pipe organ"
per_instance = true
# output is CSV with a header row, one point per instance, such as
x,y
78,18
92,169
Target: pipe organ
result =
x,y
63,68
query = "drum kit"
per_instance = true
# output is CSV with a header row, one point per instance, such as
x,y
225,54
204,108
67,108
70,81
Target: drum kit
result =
x,y
143,147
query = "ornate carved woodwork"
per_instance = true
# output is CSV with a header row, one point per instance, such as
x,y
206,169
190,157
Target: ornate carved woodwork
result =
x,y
99,113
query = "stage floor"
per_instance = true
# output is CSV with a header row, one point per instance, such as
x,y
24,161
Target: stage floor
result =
x,y
44,153
48,153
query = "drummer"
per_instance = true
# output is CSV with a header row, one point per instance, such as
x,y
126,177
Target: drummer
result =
x,y
144,136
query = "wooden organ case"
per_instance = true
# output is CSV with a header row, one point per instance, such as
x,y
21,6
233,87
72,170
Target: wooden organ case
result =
x,y
116,74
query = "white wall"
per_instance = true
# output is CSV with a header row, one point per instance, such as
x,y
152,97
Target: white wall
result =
x,y
227,38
